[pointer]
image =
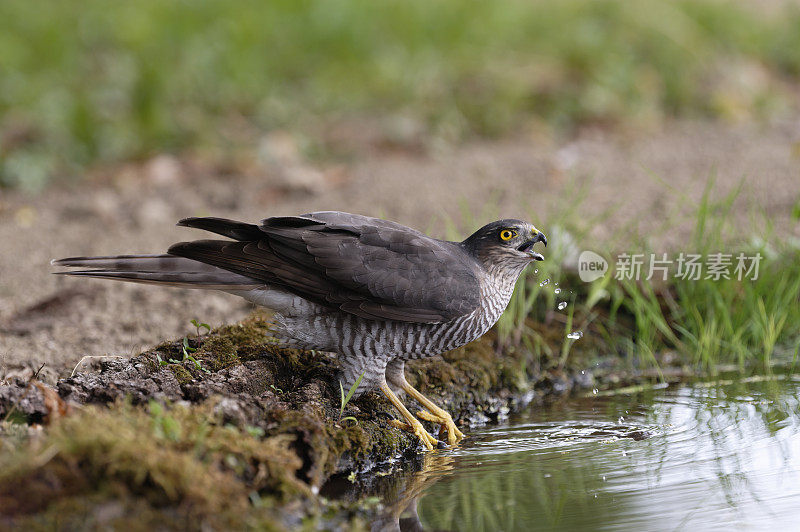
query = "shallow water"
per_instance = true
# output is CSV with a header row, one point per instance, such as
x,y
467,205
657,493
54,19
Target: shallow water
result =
x,y
722,455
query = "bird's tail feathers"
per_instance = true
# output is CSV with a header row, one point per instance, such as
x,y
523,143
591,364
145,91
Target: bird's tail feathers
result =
x,y
157,269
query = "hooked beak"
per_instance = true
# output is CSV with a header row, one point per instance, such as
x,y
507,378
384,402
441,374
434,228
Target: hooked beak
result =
x,y
527,247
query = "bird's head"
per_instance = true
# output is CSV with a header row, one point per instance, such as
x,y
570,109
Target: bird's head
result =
x,y
506,245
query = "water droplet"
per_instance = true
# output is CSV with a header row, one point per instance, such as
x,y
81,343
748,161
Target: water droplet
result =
x,y
556,284
583,372
546,281
562,305
594,392
575,335
604,478
557,290
536,270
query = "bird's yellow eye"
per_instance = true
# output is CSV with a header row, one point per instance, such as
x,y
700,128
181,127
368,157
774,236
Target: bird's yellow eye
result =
x,y
507,234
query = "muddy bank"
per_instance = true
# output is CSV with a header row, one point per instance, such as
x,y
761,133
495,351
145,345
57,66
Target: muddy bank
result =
x,y
228,429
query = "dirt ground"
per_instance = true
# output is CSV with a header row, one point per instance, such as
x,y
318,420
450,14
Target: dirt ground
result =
x,y
640,180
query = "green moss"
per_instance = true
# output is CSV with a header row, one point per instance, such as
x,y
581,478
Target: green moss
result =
x,y
182,374
217,353
177,459
367,439
251,337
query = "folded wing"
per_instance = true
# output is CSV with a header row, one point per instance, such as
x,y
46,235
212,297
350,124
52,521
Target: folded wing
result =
x,y
365,266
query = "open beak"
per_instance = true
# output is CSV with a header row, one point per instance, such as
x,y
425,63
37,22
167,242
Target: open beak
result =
x,y
527,247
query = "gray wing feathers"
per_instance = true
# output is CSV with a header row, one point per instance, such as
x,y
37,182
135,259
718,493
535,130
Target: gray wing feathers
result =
x,y
365,266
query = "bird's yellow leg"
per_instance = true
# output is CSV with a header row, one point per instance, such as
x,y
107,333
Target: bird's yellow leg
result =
x,y
411,424
434,414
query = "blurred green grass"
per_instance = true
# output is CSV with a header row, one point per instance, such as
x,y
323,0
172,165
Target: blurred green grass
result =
x,y
93,82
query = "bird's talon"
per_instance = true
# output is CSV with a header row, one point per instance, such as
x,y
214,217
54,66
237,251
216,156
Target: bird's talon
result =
x,y
429,441
417,430
446,426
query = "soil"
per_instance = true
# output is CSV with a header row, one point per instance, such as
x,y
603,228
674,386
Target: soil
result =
x,y
641,179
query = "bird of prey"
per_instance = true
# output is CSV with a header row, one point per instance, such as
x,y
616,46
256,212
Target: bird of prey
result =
x,y
373,291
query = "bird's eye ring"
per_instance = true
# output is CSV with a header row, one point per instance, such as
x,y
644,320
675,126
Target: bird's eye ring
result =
x,y
507,234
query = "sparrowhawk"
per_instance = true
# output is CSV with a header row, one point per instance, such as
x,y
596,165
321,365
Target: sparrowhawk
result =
x,y
375,292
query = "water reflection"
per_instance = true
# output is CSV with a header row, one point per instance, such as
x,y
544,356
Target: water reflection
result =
x,y
705,456
401,513
399,488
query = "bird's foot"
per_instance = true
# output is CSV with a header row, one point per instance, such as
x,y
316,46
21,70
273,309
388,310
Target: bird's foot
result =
x,y
447,426
416,428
